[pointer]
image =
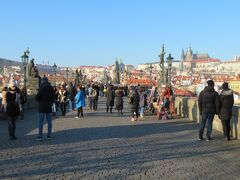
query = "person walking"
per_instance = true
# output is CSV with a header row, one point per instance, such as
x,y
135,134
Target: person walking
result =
x,y
226,105
72,93
12,108
142,102
45,99
4,102
119,101
95,97
134,101
22,101
110,98
63,99
80,101
90,98
208,103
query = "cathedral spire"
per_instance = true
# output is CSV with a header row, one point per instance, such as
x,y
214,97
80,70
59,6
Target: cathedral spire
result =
x,y
183,55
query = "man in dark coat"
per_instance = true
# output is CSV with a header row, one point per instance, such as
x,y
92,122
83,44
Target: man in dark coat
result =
x,y
110,98
208,103
45,98
226,105
134,101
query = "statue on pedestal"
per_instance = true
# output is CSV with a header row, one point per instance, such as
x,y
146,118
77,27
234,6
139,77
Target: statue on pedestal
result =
x,y
116,74
32,70
78,77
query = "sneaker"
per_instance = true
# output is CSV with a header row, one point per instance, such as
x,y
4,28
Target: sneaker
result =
x,y
132,119
49,137
77,117
39,138
200,139
209,139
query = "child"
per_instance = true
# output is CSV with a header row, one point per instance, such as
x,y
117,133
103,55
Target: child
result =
x,y
80,101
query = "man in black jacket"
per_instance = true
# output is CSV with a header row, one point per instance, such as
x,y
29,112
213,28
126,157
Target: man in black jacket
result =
x,y
208,103
45,98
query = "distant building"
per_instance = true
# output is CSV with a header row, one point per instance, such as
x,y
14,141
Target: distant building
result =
x,y
197,62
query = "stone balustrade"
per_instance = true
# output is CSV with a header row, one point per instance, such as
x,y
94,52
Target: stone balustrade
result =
x,y
188,108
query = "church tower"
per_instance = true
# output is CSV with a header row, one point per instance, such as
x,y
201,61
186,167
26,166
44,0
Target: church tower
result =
x,y
189,54
183,55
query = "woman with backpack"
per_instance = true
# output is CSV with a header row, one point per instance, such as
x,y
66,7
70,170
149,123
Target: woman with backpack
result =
x,y
12,109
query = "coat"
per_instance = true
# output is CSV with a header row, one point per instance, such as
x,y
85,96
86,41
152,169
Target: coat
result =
x,y
12,98
80,99
226,104
45,98
134,101
119,99
110,97
208,101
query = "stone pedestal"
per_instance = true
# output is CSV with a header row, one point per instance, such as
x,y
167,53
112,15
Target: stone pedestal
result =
x,y
32,86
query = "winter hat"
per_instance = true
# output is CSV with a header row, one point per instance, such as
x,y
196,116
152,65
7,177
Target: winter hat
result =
x,y
12,83
210,83
225,86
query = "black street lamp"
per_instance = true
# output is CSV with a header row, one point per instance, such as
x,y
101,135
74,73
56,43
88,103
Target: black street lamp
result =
x,y
25,58
169,61
55,73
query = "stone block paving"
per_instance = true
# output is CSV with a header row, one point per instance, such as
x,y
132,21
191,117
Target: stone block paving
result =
x,y
110,146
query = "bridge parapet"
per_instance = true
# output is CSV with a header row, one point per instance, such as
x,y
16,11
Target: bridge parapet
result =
x,y
188,108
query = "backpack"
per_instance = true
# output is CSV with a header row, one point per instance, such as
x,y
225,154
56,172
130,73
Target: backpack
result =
x,y
94,93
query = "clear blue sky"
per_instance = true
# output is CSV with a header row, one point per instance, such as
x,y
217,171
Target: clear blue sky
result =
x,y
95,32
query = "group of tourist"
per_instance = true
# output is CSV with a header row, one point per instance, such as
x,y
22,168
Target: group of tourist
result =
x,y
211,103
50,99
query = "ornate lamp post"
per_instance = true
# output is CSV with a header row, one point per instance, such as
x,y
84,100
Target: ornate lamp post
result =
x,y
67,71
25,58
55,73
169,61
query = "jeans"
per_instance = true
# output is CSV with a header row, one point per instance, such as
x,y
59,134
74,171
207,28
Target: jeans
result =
x,y
40,123
71,105
206,116
90,101
141,110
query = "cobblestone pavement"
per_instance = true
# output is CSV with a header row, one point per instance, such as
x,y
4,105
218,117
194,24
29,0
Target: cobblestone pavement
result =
x,y
109,146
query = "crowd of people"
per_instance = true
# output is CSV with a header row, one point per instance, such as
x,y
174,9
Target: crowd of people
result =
x,y
53,100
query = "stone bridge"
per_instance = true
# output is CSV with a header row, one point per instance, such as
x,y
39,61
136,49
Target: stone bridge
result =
x,y
110,146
